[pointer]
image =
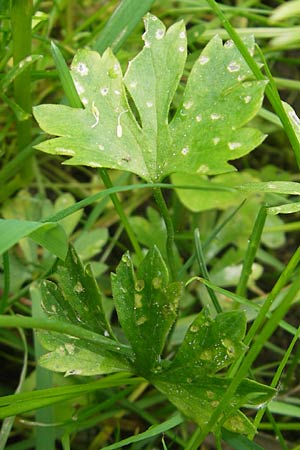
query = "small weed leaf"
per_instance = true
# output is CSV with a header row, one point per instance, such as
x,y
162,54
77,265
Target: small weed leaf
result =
x,y
207,130
76,299
77,357
190,381
147,307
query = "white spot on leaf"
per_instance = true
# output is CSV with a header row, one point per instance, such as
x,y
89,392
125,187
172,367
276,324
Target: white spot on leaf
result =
x,y
234,145
93,164
188,104
233,66
104,91
117,92
203,169
147,44
84,101
181,49
184,151
133,84
216,140
182,35
159,33
149,104
229,44
198,118
203,60
215,116
79,87
82,69
247,99
101,147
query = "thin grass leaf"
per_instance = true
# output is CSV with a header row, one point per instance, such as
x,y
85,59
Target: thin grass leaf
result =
x,y
153,431
48,235
120,25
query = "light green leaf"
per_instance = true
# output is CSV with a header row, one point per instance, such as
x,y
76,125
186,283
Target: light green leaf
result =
x,y
77,297
48,235
77,357
189,381
146,307
17,70
206,131
202,200
89,243
293,118
121,23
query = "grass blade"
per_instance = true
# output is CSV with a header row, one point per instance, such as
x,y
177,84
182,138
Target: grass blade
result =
x,y
126,16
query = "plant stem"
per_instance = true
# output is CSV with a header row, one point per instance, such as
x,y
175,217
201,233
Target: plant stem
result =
x,y
117,204
251,251
203,270
45,436
21,14
170,230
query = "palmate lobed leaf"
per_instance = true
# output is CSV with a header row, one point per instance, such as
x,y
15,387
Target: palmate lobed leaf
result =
x,y
146,304
76,299
206,131
190,381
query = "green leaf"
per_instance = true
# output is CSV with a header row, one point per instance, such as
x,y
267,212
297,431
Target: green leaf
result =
x,y
78,357
239,442
206,131
205,199
189,381
10,76
77,297
77,300
146,307
49,235
122,23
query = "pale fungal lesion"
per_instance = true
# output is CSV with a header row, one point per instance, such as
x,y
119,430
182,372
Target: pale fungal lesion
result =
x,y
119,126
82,69
233,66
247,99
188,104
203,168
94,164
229,44
96,115
216,140
181,49
203,60
215,116
65,151
133,84
149,104
182,35
185,151
79,87
159,33
199,118
104,91
234,145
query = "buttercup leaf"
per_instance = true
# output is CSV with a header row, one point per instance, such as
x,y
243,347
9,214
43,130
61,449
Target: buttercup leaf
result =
x,y
147,307
207,130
